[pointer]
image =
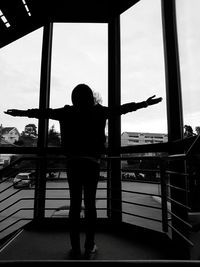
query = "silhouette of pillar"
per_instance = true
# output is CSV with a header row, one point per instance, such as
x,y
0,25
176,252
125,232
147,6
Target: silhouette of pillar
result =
x,y
39,208
175,123
114,124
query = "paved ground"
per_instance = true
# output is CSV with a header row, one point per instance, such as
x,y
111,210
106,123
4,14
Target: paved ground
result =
x,y
20,204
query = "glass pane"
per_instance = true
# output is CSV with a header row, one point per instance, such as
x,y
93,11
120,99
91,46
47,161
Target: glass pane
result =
x,y
188,22
20,81
143,74
79,55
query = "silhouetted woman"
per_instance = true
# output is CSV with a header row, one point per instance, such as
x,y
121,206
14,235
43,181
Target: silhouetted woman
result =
x,y
82,128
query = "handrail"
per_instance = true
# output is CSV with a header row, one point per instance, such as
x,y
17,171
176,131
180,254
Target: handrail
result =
x,y
164,147
17,201
173,146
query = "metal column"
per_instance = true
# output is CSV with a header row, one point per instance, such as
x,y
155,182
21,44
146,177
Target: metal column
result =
x,y
39,206
175,119
114,124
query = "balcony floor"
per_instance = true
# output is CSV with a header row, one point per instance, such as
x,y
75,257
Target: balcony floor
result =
x,y
116,243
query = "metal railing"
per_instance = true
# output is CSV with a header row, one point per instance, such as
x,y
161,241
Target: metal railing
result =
x,y
141,206
16,209
147,205
179,196
54,201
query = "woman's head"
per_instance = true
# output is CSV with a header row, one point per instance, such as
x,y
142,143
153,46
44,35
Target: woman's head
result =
x,y
82,96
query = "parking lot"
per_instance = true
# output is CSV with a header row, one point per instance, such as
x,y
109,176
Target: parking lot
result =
x,y
20,204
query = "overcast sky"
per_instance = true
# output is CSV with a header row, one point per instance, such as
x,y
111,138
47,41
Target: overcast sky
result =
x,y
79,55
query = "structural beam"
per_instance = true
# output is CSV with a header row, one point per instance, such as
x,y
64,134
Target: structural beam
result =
x,y
39,209
172,71
114,124
175,126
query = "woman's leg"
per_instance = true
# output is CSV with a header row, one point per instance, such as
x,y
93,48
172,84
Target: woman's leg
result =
x,y
90,187
75,188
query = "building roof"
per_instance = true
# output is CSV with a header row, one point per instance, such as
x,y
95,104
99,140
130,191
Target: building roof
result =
x,y
25,16
6,130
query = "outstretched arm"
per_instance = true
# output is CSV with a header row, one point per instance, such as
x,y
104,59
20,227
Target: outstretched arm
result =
x,y
129,107
50,113
33,113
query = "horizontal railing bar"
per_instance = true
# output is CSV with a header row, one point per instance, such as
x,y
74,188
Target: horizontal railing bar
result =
x,y
136,192
17,201
56,209
177,173
57,188
15,213
177,217
178,188
178,203
10,195
10,225
179,233
68,198
158,158
66,188
5,189
140,170
176,157
139,204
140,216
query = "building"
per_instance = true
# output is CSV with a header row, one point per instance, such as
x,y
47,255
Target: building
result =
x,y
137,138
10,134
5,158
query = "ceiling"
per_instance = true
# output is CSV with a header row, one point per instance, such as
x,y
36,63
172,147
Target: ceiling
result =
x,y
20,17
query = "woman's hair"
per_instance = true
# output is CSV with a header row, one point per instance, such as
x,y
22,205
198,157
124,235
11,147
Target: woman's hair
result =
x,y
82,95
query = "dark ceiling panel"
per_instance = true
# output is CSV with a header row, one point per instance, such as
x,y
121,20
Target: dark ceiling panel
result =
x,y
15,12
94,11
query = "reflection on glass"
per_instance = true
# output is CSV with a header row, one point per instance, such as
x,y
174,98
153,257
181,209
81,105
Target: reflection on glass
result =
x,y
188,22
142,73
20,81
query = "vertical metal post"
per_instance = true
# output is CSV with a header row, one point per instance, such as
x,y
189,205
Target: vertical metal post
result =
x,y
172,71
39,205
174,112
164,195
114,124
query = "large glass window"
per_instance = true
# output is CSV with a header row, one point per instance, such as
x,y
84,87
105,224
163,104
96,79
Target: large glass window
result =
x,y
188,22
20,82
79,55
142,69
143,75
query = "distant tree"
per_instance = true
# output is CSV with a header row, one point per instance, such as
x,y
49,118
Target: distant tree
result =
x,y
53,137
97,98
28,137
197,129
188,131
30,130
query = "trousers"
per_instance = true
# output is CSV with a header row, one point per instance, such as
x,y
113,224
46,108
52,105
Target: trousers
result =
x,y
83,176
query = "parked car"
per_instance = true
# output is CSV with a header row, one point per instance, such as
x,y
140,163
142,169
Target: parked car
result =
x,y
24,180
